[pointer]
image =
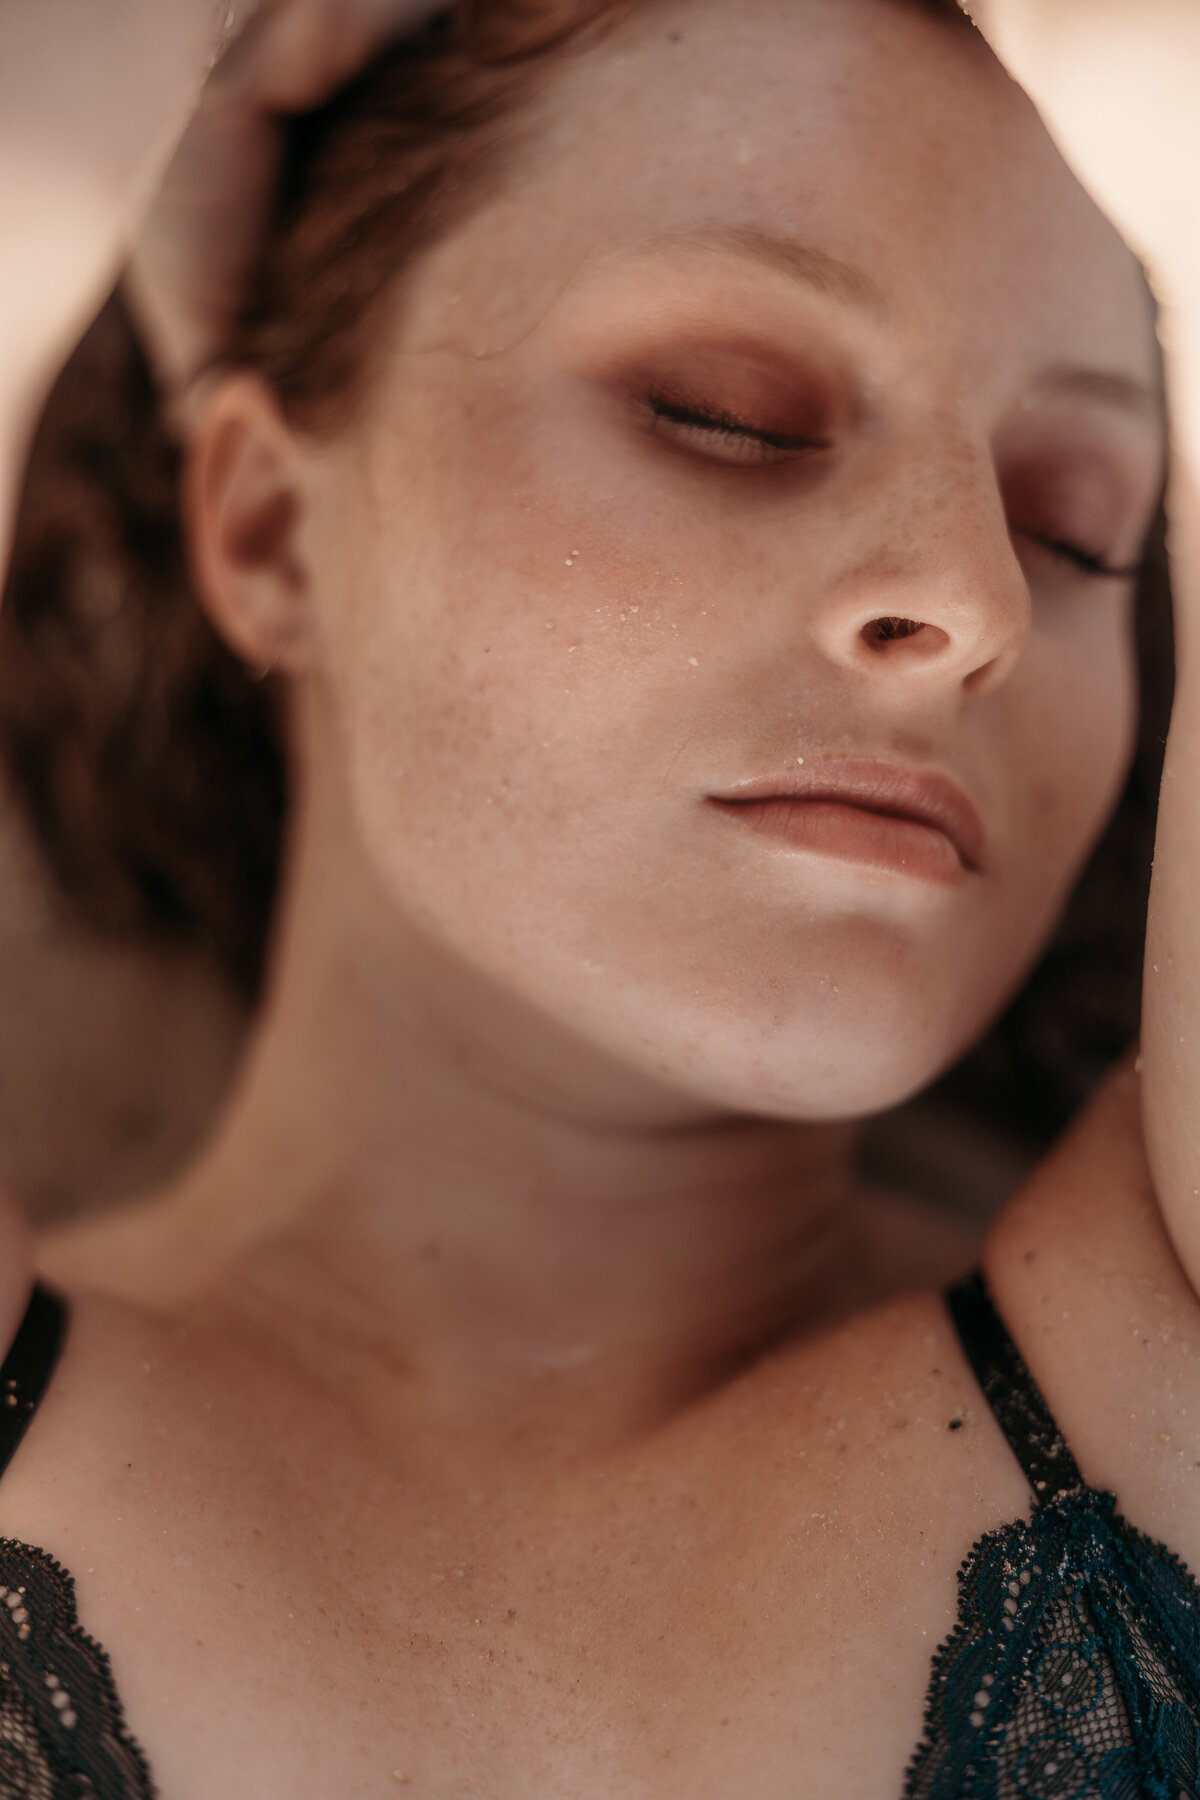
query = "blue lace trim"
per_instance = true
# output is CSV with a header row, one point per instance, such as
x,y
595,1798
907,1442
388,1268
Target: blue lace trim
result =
x,y
1074,1670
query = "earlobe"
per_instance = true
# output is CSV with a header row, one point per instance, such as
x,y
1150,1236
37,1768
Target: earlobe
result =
x,y
243,506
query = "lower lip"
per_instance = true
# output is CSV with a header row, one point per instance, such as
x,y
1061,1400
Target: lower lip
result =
x,y
854,834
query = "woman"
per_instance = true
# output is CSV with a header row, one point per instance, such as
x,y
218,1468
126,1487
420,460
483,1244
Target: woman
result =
x,y
699,566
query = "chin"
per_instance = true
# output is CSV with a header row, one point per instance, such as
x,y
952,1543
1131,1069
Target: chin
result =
x,y
864,1017
827,1049
842,1079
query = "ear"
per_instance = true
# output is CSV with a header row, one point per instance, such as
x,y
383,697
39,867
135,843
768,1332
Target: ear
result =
x,y
244,505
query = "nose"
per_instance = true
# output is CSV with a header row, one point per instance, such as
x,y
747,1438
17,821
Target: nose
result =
x,y
934,596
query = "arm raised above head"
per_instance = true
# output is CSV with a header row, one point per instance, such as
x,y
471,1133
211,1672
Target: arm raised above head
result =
x,y
1117,82
94,102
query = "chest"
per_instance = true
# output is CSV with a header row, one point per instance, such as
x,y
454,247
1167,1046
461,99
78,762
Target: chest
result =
x,y
682,1662
754,1599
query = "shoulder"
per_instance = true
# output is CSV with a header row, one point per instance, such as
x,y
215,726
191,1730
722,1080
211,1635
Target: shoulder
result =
x,y
1084,1272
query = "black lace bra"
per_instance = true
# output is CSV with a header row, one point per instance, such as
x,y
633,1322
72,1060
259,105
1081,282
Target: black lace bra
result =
x,y
62,1733
1073,1672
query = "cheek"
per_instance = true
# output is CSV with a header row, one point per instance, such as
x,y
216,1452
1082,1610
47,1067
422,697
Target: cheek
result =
x,y
513,650
1083,703
526,601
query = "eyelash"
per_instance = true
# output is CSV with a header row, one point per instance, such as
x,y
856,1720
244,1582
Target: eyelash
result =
x,y
722,424
1085,560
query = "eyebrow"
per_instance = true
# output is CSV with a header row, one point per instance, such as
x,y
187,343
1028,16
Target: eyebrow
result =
x,y
1124,393
775,250
830,275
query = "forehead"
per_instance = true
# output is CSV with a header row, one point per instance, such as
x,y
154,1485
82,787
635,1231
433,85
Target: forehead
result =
x,y
865,132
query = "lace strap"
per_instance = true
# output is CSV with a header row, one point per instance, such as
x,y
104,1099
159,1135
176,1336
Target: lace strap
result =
x,y
26,1370
1012,1393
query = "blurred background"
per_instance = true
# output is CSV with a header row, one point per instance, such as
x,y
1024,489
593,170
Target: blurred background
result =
x,y
114,1055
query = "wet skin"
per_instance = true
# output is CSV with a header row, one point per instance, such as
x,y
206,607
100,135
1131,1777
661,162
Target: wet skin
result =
x,y
557,607
773,412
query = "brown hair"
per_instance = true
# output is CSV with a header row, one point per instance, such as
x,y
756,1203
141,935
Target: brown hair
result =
x,y
150,762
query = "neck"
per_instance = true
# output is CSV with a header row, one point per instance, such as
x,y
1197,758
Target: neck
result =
x,y
410,1181
414,1210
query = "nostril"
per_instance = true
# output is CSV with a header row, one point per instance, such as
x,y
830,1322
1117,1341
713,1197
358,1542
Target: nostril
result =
x,y
887,631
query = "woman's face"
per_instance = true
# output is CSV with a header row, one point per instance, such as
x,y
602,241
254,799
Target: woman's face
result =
x,y
739,474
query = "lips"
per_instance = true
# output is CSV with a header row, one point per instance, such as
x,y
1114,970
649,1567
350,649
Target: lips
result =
x,y
914,820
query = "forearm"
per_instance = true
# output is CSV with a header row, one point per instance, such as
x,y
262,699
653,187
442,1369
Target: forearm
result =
x,y
1117,86
92,99
1171,1008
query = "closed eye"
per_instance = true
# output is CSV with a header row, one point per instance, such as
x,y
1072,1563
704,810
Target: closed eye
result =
x,y
722,436
1087,560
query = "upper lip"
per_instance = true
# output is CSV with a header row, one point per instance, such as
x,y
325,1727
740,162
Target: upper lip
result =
x,y
895,789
